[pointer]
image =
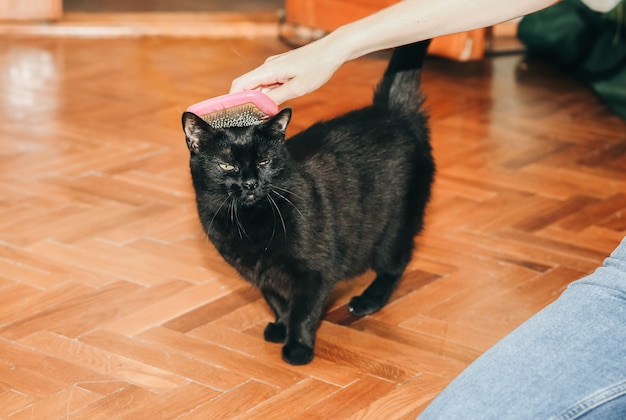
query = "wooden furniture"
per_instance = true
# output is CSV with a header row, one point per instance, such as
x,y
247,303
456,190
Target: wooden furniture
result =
x,y
327,15
306,20
31,9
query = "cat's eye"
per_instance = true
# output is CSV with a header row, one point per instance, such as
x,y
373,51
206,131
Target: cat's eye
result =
x,y
264,162
228,167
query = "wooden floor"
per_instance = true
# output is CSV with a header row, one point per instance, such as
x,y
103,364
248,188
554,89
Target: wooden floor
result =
x,y
113,304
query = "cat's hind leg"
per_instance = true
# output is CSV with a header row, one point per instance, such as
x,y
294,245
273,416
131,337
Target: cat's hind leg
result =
x,y
375,296
389,265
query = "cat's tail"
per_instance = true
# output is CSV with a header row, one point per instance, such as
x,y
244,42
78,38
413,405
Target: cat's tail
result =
x,y
399,90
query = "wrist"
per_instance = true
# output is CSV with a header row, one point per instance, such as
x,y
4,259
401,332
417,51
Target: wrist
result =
x,y
347,43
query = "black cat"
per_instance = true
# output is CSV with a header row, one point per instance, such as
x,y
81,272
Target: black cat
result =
x,y
337,199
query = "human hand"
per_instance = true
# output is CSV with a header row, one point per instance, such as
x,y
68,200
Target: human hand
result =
x,y
291,74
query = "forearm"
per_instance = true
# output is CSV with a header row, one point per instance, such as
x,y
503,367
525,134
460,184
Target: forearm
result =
x,y
304,69
415,20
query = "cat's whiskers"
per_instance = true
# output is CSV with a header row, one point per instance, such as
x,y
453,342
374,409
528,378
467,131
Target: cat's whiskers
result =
x,y
280,214
273,227
231,215
231,218
231,211
285,190
287,200
236,222
215,215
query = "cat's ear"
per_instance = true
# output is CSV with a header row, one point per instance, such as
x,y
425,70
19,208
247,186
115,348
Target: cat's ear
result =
x,y
195,131
278,123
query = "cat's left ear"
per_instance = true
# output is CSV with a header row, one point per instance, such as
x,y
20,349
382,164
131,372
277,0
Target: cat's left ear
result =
x,y
195,130
278,123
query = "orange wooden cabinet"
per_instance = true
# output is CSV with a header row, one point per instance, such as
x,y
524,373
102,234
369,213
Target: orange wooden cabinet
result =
x,y
327,15
31,9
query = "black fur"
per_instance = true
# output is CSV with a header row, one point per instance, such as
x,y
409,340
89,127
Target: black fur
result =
x,y
337,199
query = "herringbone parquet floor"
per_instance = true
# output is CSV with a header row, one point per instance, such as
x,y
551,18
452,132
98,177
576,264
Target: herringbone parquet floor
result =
x,y
114,305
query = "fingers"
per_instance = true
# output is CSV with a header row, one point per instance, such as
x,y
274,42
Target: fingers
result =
x,y
267,85
276,88
245,82
277,91
279,94
268,75
289,75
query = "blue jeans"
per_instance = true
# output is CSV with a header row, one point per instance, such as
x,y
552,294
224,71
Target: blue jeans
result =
x,y
566,362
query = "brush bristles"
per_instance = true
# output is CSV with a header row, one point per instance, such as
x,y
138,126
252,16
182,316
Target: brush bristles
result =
x,y
238,116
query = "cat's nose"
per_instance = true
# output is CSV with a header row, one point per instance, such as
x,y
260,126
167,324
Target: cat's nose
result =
x,y
250,184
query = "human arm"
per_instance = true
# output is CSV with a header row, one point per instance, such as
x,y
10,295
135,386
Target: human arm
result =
x,y
302,70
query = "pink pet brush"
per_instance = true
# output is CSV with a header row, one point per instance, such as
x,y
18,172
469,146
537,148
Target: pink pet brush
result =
x,y
240,109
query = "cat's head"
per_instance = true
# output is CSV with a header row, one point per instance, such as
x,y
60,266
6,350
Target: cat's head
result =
x,y
242,163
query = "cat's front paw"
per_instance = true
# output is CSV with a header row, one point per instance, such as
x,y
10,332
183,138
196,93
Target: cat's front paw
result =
x,y
362,306
275,333
297,354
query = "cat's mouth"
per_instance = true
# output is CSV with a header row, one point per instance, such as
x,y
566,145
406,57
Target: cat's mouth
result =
x,y
249,199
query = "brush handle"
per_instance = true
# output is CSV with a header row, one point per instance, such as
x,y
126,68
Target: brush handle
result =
x,y
263,102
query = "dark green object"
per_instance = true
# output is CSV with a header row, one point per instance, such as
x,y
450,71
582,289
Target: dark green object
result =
x,y
589,44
